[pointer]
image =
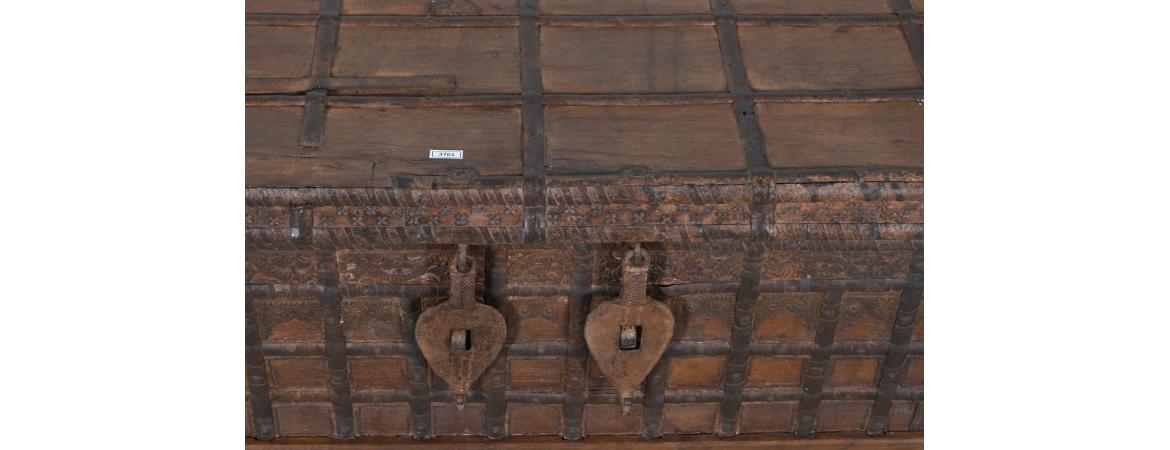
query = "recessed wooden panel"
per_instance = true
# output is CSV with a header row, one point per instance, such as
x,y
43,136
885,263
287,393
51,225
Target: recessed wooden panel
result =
x,y
901,413
298,372
290,320
377,373
482,60
915,371
695,372
372,319
400,139
534,419
383,420
430,7
810,7
624,7
586,139
536,318
866,316
702,317
449,421
630,60
850,372
842,134
823,58
843,415
767,417
278,52
535,374
303,419
282,6
787,317
608,419
774,371
689,419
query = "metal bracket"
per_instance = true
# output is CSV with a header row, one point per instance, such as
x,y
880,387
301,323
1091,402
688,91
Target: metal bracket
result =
x,y
628,335
460,337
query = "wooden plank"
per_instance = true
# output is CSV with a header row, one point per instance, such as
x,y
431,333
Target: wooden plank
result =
x,y
281,6
843,134
810,7
823,58
895,441
583,139
272,131
429,7
631,60
622,7
399,139
481,60
278,52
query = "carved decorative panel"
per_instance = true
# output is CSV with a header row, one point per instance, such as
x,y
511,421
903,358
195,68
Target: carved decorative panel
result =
x,y
787,317
866,316
290,320
702,316
373,319
533,319
271,267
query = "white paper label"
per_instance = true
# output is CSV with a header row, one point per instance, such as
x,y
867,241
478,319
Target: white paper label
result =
x,y
446,154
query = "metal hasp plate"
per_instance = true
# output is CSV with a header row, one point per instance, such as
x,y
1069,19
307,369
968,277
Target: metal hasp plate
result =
x,y
460,337
627,336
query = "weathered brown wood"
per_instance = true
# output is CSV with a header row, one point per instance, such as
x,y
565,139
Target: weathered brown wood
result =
x,y
895,441
481,60
429,7
278,52
810,7
856,134
794,58
783,187
658,138
281,6
575,357
622,7
496,296
583,60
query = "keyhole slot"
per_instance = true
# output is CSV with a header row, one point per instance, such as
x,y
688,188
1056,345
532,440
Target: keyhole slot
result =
x,y
461,340
630,338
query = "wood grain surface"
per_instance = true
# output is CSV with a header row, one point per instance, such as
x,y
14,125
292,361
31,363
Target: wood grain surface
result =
x,y
823,58
630,60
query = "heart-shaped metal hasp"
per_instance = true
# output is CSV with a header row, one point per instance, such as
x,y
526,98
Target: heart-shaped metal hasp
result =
x,y
460,337
628,335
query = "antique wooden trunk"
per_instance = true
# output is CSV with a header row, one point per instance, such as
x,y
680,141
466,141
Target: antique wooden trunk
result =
x,y
579,219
